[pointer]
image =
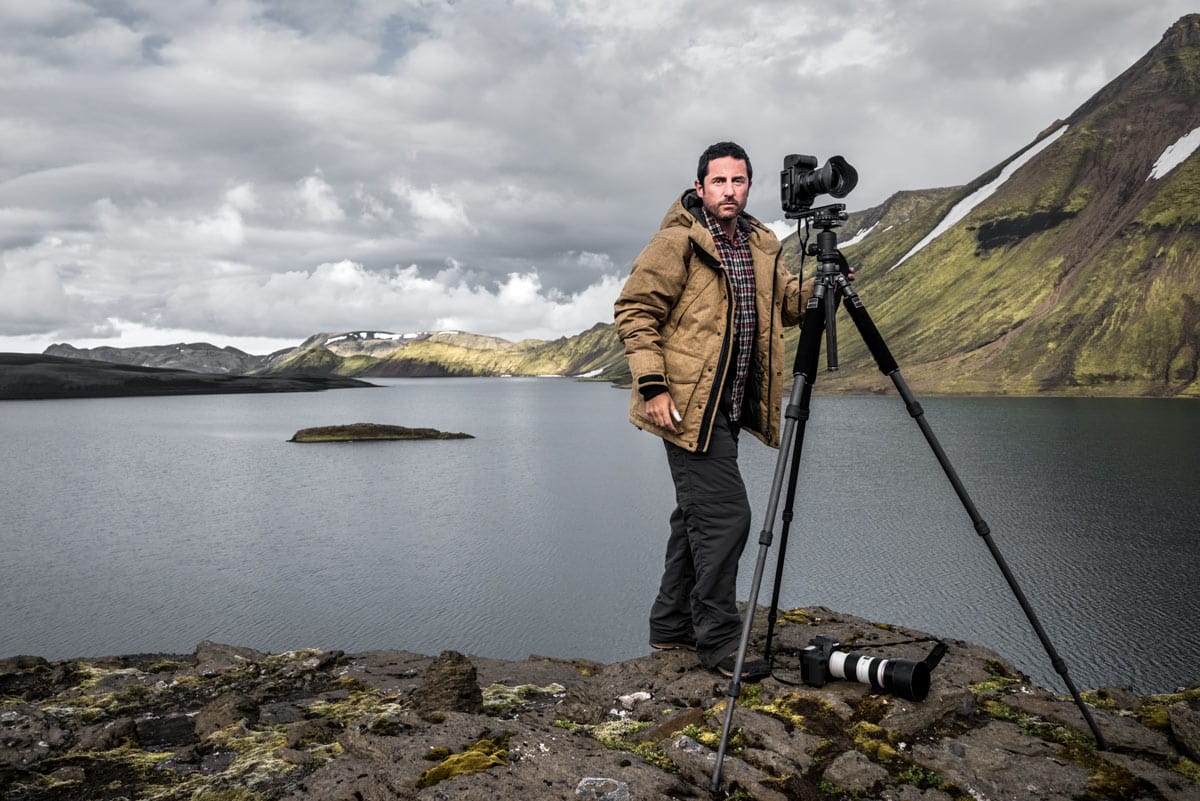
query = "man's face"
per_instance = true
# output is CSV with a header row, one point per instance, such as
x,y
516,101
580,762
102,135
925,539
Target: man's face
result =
x,y
725,188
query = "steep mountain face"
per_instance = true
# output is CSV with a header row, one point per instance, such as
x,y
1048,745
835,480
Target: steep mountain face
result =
x,y
1079,273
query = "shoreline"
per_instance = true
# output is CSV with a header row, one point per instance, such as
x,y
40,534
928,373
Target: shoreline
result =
x,y
314,724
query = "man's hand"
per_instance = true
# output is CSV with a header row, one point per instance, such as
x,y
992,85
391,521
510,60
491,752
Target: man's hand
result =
x,y
661,409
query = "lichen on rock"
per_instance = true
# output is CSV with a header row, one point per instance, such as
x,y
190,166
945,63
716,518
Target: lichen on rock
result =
x,y
234,724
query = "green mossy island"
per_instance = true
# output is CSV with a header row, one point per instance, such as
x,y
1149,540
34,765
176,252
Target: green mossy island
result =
x,y
371,432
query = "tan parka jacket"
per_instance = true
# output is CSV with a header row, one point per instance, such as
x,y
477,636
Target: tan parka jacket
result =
x,y
675,318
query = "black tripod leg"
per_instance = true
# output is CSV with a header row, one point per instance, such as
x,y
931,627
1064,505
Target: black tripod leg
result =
x,y
807,354
788,516
887,365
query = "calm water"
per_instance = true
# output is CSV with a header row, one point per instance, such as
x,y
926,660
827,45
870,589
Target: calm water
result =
x,y
149,524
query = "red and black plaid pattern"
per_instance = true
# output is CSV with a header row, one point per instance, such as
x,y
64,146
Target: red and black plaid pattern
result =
x,y
739,263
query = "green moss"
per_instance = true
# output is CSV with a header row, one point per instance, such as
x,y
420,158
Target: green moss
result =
x,y
1187,768
349,683
998,710
872,740
750,696
1176,201
614,733
1100,699
1105,780
371,707
702,735
800,710
1154,714
499,698
921,777
655,756
798,616
484,754
994,684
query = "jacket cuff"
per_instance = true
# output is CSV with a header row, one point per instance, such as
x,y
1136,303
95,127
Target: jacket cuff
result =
x,y
651,385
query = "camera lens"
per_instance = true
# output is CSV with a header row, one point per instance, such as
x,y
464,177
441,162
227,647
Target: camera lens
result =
x,y
902,677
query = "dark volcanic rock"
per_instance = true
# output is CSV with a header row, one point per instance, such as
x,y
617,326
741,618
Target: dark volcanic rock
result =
x,y
450,686
227,710
325,726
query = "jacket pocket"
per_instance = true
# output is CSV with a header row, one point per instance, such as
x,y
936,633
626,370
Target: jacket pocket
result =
x,y
683,376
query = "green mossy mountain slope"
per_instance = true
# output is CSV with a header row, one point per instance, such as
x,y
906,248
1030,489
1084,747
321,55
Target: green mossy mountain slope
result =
x,y
1079,275
454,354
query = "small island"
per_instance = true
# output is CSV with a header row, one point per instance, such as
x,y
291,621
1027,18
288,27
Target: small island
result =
x,y
370,432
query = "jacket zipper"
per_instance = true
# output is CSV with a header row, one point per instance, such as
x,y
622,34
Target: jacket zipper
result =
x,y
714,400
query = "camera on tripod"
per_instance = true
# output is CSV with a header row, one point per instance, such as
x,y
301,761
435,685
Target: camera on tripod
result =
x,y
907,678
800,181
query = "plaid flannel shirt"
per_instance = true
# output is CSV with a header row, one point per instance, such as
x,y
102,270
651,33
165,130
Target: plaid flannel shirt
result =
x,y
739,263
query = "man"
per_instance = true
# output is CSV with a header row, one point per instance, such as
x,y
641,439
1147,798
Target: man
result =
x,y
702,318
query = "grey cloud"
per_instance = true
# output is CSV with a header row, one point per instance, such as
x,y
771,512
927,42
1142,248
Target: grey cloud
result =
x,y
192,159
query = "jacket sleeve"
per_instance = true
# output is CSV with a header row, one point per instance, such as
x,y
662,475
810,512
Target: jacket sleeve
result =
x,y
795,298
655,284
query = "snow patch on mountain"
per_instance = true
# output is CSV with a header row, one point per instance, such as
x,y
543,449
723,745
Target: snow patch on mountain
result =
x,y
964,206
1175,154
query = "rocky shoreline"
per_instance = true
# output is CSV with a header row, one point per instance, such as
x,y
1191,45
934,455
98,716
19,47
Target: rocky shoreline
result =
x,y
228,723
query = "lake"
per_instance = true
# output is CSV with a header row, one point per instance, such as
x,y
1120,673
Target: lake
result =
x,y
135,525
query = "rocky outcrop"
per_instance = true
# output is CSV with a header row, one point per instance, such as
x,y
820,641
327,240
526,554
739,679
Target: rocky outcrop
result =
x,y
370,432
233,723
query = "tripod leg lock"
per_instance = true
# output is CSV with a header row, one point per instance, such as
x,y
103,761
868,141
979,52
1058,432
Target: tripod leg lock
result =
x,y
914,409
795,411
983,529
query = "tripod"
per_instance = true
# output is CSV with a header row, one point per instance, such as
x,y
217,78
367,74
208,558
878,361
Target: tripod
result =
x,y
830,286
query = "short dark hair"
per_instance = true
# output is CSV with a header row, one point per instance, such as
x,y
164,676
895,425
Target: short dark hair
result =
x,y
719,151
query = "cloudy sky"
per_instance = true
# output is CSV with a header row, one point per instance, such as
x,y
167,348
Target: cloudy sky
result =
x,y
251,172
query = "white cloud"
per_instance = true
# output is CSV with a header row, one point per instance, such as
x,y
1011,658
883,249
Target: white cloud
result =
x,y
234,154
317,200
346,295
434,207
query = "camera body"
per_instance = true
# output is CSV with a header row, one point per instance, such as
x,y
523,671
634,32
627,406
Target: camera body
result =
x,y
814,659
801,181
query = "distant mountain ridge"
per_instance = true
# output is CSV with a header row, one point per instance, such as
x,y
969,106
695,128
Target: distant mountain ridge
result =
x,y
595,353
197,357
1071,268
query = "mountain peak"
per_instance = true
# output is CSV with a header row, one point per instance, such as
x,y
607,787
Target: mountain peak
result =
x,y
1184,33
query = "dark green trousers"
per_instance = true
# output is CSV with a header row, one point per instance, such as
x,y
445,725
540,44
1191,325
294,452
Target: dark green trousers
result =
x,y
709,527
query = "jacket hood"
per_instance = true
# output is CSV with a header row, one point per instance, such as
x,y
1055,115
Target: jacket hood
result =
x,y
685,212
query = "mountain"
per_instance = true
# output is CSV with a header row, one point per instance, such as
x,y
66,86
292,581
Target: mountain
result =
x,y
451,353
197,357
1070,268
27,376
